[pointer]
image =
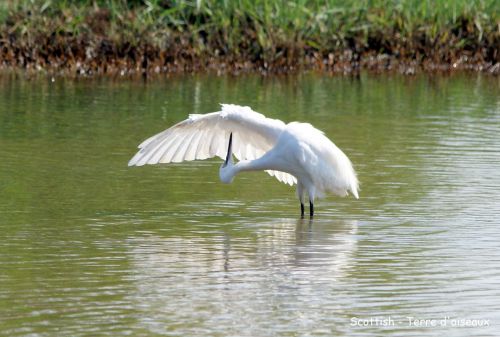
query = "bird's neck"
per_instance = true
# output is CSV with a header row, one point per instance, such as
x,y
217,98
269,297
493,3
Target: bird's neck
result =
x,y
251,165
228,172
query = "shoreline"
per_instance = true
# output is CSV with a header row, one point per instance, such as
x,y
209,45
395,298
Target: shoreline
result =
x,y
92,40
150,62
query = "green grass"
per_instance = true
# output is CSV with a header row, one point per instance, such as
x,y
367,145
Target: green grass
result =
x,y
267,29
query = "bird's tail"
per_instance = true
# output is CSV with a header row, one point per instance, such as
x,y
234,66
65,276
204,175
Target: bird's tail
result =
x,y
354,187
354,192
353,183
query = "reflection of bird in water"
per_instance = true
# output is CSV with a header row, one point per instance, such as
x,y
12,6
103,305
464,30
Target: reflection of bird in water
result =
x,y
328,242
274,242
295,153
222,275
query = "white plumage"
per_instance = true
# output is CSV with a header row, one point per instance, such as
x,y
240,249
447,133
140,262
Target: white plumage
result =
x,y
294,153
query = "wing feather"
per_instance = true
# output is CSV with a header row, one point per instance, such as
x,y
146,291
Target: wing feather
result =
x,y
158,151
172,149
193,146
182,149
205,136
283,177
204,151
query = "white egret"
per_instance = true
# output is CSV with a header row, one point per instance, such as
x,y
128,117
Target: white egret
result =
x,y
294,153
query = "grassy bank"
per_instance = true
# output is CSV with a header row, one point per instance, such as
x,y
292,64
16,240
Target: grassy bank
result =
x,y
131,37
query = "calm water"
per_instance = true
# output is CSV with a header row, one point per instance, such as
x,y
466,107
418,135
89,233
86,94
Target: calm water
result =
x,y
90,247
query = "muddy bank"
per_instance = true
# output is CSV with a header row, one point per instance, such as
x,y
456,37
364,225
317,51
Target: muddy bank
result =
x,y
100,45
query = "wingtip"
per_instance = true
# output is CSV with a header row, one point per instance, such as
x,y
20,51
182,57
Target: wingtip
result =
x,y
134,161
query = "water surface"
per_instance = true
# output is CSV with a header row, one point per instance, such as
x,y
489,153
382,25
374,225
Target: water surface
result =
x,y
89,246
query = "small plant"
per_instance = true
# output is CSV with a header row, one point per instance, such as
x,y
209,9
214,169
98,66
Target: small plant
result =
x,y
260,34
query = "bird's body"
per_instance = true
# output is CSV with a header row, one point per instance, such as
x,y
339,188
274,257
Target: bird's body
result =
x,y
295,153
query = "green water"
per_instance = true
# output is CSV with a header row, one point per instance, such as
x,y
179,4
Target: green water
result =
x,y
90,247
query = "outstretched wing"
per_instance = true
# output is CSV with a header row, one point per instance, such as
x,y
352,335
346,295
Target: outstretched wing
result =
x,y
206,136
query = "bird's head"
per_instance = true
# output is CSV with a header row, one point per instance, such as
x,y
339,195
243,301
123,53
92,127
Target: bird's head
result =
x,y
226,171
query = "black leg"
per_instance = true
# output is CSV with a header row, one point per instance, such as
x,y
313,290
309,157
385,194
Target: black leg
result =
x,y
301,209
311,209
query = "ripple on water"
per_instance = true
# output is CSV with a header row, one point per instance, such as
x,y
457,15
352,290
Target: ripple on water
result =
x,y
90,247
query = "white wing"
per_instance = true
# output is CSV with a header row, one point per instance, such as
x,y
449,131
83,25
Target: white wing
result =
x,y
206,136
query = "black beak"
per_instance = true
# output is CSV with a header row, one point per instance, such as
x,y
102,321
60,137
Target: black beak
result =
x,y
229,149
